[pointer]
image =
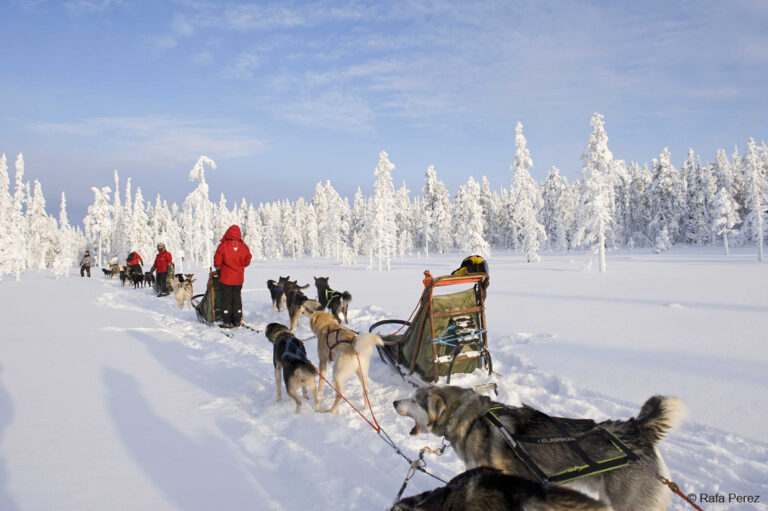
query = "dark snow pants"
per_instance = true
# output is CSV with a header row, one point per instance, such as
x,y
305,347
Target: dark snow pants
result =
x,y
85,269
231,304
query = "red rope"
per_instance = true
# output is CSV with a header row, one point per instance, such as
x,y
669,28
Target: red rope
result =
x,y
376,426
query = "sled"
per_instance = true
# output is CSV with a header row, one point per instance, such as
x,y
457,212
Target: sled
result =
x,y
205,304
156,287
446,335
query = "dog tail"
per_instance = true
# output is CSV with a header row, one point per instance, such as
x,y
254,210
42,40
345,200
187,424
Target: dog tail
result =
x,y
658,416
346,296
364,342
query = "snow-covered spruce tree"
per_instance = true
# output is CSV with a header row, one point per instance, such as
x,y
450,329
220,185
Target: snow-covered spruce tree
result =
x,y
596,202
42,238
358,223
755,197
640,212
338,224
665,199
6,215
469,221
404,222
17,240
291,236
271,217
382,230
308,227
553,214
699,198
200,241
321,204
435,227
67,248
724,216
119,234
98,222
141,233
621,184
222,218
253,233
529,233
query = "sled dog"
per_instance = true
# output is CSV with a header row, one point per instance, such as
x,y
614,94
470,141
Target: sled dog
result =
x,y
341,346
297,303
184,293
277,292
462,417
489,489
290,358
335,301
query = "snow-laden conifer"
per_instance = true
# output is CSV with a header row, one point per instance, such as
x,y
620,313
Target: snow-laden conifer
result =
x,y
469,222
665,198
140,231
596,202
200,242
42,237
524,194
724,216
98,223
382,230
755,196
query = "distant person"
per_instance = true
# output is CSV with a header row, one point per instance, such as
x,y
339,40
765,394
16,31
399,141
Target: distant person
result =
x,y
85,264
163,260
231,258
133,262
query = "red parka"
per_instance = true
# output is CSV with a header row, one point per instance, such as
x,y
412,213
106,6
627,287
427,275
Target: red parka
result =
x,y
162,260
232,257
134,258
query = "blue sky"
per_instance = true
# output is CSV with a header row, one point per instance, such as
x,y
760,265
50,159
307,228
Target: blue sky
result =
x,y
285,94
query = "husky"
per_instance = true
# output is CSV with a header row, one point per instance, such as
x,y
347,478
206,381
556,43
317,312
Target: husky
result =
x,y
107,273
184,293
334,301
489,489
123,276
277,292
462,417
343,347
290,358
149,278
297,303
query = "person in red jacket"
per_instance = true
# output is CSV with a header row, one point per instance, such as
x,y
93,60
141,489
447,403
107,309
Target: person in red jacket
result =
x,y
231,258
163,260
134,262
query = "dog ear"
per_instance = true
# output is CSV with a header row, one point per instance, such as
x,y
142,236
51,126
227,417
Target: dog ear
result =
x,y
435,407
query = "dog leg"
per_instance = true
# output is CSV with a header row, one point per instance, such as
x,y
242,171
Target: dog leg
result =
x,y
309,383
339,384
278,383
321,382
362,373
291,389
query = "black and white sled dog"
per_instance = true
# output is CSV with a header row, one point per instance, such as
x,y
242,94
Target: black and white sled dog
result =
x,y
290,358
489,489
277,292
462,417
335,301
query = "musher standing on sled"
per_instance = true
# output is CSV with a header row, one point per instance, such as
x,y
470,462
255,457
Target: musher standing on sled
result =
x,y
231,258
163,259
133,262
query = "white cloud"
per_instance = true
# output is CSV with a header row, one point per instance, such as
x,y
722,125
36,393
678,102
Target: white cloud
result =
x,y
163,138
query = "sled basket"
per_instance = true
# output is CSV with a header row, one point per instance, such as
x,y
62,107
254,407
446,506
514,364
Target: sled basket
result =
x,y
207,306
447,334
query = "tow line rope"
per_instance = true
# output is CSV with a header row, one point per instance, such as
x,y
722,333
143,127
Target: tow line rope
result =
x,y
414,465
673,487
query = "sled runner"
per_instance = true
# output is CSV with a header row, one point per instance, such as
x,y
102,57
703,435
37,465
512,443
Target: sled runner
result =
x,y
447,334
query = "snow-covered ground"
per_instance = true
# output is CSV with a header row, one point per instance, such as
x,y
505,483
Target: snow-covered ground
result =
x,y
111,398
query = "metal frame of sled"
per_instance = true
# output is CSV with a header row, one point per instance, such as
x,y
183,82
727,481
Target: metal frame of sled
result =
x,y
451,346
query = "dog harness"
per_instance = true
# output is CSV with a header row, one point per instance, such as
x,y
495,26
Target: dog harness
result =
x,y
589,467
294,350
330,294
338,341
